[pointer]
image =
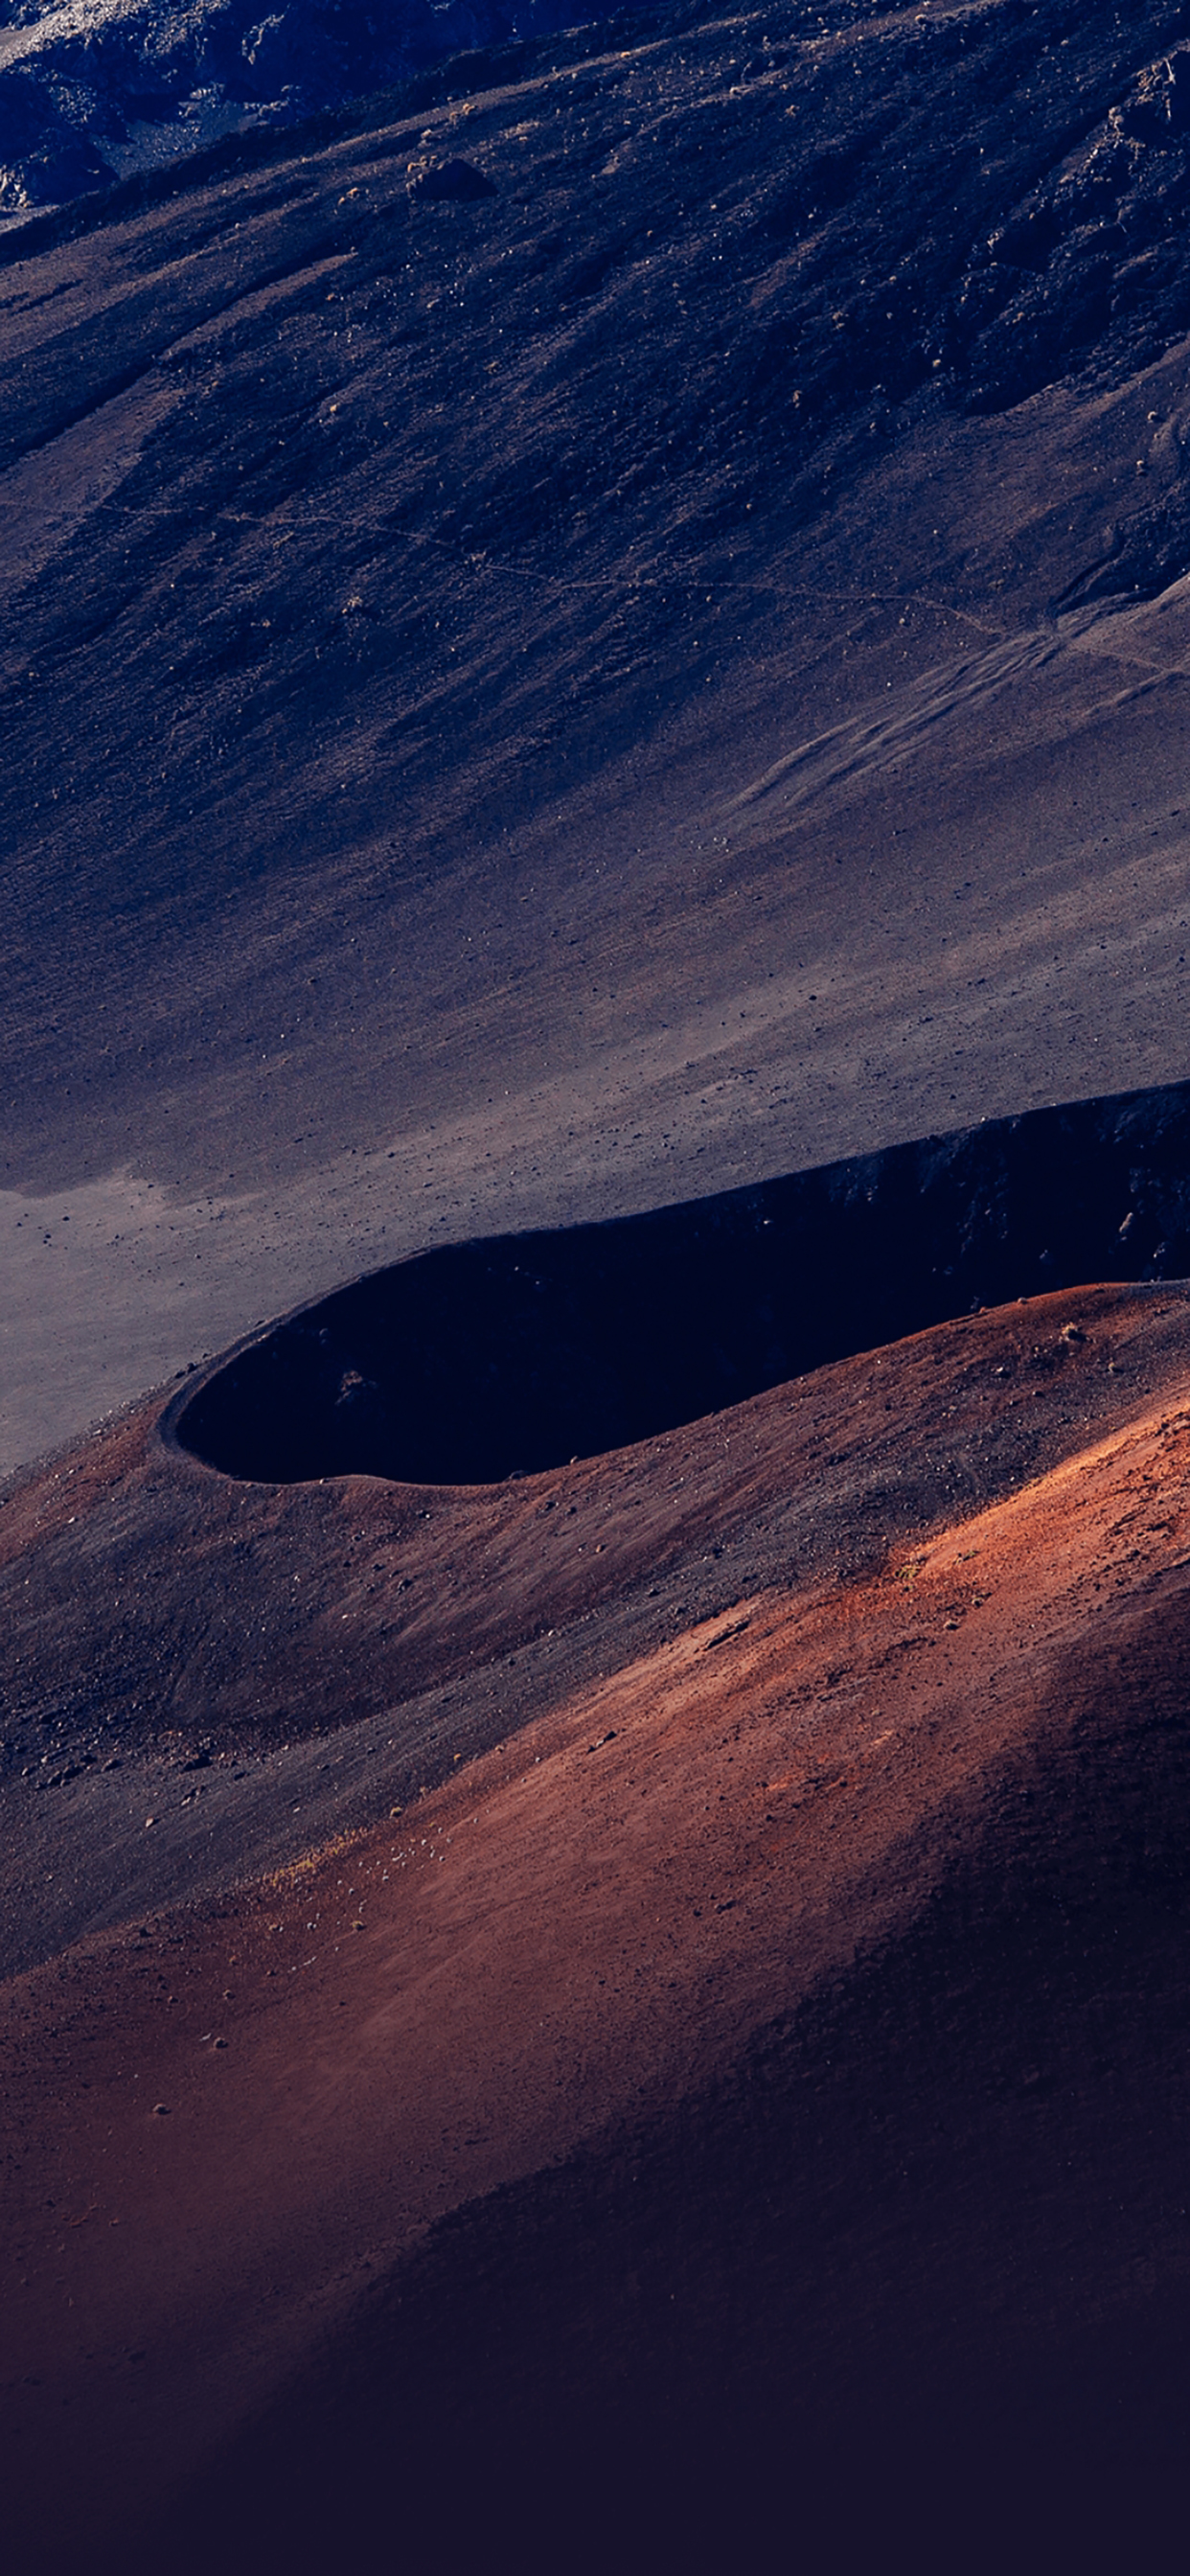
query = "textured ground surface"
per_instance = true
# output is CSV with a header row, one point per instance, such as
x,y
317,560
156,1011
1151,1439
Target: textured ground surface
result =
x,y
535,690
526,708
793,2010
92,90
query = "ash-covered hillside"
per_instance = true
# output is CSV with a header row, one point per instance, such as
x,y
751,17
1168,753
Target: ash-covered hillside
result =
x,y
94,89
583,632
598,627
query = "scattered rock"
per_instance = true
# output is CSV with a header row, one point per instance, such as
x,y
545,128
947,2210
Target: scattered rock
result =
x,y
86,98
459,180
1159,109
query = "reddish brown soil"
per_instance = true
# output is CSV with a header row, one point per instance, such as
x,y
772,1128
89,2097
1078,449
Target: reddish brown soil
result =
x,y
238,1660
788,2024
518,712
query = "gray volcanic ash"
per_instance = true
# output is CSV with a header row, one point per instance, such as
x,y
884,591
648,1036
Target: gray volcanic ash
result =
x,y
568,691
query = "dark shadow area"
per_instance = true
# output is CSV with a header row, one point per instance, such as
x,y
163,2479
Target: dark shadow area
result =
x,y
482,1360
907,2289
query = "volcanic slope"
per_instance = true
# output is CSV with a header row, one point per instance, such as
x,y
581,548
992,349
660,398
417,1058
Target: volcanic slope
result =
x,y
601,627
106,87
607,627
782,2031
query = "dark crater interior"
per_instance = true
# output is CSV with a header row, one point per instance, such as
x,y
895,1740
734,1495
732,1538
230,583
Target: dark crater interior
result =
x,y
483,1360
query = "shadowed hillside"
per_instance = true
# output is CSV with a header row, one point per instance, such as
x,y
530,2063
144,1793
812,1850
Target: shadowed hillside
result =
x,y
107,87
777,2027
535,477
579,637
592,1866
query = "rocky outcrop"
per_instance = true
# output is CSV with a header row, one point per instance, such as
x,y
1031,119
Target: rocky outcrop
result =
x,y
1096,249
98,89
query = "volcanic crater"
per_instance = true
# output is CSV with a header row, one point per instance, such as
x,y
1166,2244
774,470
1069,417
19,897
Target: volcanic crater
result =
x,y
592,1866
483,1360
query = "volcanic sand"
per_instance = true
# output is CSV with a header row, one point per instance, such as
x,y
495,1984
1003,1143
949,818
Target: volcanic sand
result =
x,y
812,678
935,1807
525,710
